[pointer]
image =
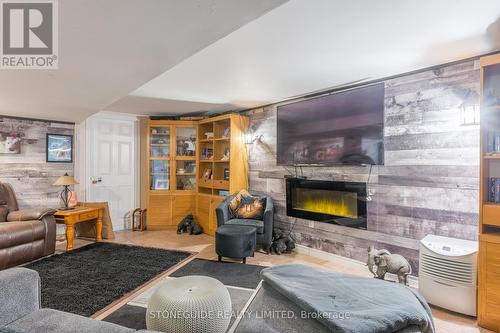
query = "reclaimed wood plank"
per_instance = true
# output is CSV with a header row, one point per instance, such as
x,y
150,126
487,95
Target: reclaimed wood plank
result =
x,y
28,172
452,139
429,183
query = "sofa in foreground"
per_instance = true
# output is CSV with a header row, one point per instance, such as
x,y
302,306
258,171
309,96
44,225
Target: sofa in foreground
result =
x,y
20,309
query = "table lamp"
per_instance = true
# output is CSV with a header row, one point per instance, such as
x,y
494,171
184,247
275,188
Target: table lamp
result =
x,y
65,195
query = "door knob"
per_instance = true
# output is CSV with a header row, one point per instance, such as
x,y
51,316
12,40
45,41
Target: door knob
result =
x,y
95,181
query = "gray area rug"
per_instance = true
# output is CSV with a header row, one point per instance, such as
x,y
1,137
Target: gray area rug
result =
x,y
240,279
86,280
231,274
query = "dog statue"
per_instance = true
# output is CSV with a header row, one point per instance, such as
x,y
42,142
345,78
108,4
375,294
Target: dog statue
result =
x,y
279,246
185,224
189,224
195,228
282,243
290,243
385,262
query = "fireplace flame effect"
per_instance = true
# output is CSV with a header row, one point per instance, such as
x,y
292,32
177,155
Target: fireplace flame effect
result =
x,y
330,202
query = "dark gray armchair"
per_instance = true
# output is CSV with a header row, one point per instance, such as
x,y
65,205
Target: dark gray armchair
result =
x,y
264,227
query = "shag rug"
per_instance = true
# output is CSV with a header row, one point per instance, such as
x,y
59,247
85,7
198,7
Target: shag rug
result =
x,y
86,280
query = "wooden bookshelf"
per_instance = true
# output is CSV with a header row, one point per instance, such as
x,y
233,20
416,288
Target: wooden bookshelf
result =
x,y
223,152
489,210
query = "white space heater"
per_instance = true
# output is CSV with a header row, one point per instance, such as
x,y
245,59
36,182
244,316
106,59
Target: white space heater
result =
x,y
447,275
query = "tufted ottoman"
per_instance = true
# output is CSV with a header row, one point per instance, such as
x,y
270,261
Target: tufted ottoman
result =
x,y
235,241
190,304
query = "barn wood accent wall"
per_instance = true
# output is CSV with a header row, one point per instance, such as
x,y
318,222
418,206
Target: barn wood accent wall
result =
x,y
428,185
28,172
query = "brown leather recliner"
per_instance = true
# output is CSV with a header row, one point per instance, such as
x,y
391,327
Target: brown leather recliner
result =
x,y
25,235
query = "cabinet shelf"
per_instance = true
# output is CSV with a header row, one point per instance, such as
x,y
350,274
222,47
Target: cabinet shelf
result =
x,y
185,158
491,108
491,214
491,237
492,157
166,158
492,204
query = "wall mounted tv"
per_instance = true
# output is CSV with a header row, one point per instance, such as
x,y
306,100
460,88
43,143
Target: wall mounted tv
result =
x,y
340,128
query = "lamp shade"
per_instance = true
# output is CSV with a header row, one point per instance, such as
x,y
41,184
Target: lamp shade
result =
x,y
65,180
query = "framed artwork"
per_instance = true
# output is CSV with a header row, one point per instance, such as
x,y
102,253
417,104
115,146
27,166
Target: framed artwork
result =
x,y
162,184
10,143
59,148
207,173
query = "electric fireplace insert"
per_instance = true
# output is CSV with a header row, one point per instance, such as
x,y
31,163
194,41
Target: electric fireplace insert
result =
x,y
337,202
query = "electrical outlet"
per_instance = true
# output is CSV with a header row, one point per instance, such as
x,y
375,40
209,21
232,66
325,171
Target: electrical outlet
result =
x,y
311,224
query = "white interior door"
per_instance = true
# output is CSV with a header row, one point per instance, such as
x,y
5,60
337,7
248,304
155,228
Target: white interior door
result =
x,y
111,164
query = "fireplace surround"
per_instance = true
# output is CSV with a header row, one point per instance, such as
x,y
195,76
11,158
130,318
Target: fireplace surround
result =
x,y
337,202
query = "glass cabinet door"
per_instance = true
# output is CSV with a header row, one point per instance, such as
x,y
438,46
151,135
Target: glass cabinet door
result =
x,y
491,86
160,175
185,139
160,142
186,175
159,147
185,161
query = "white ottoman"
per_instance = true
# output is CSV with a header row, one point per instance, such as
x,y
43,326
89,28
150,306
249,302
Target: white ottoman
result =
x,y
190,304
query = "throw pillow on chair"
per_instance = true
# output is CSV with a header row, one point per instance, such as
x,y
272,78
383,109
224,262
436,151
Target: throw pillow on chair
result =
x,y
246,206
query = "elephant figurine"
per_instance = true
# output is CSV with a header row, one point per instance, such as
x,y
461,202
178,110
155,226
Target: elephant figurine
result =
x,y
386,262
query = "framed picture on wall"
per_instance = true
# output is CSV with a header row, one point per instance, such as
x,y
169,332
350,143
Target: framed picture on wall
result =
x,y
59,148
10,143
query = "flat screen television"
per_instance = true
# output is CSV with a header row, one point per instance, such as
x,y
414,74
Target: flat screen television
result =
x,y
340,128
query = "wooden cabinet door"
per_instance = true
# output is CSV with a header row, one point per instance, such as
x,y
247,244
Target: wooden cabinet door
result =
x,y
203,211
159,210
489,287
182,206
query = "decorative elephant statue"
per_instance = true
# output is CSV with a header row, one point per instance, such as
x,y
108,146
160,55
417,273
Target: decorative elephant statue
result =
x,y
386,262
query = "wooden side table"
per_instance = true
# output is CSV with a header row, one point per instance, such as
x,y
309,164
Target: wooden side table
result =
x,y
79,215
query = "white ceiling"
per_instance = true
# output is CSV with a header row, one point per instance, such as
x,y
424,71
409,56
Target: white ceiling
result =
x,y
108,48
309,45
179,57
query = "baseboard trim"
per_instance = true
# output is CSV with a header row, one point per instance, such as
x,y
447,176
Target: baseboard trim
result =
x,y
356,264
